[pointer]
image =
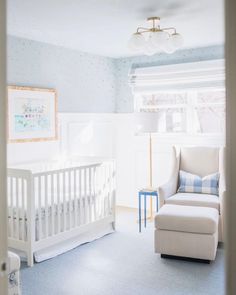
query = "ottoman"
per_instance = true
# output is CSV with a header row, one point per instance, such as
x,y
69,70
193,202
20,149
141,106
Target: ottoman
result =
x,y
186,231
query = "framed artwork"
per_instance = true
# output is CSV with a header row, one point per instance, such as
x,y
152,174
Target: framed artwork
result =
x,y
32,114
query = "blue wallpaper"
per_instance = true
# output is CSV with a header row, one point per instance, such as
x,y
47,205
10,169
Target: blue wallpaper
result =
x,y
124,99
84,82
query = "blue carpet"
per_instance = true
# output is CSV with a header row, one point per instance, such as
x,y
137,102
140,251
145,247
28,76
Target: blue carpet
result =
x,y
122,263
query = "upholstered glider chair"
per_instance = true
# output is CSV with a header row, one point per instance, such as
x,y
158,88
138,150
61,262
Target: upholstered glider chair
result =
x,y
201,161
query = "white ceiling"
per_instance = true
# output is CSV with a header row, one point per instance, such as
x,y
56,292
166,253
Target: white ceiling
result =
x,y
104,26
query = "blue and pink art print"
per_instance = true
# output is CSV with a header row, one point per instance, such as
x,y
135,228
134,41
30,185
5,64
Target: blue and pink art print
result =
x,y
32,114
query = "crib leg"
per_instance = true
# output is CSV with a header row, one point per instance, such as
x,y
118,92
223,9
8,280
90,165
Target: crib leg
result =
x,y
30,259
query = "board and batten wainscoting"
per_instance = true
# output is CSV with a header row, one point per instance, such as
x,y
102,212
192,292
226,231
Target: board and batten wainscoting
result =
x,y
111,136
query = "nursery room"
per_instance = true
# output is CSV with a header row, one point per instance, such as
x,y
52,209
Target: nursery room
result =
x,y
116,115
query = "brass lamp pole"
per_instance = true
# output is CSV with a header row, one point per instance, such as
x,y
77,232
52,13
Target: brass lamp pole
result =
x,y
150,174
147,122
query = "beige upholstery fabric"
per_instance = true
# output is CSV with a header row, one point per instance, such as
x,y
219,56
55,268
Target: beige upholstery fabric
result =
x,y
193,199
13,274
184,244
187,231
201,161
13,261
190,219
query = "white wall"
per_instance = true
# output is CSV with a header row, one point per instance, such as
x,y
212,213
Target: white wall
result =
x,y
132,157
79,134
110,136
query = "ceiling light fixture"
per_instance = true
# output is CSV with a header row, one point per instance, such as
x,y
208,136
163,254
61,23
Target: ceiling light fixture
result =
x,y
152,40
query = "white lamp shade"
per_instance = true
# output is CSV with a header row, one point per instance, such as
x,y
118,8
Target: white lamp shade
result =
x,y
146,122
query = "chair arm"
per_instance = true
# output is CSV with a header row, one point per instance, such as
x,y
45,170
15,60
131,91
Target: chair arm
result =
x,y
166,190
169,188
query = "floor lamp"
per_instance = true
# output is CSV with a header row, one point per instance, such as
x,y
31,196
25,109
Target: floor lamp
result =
x,y
147,123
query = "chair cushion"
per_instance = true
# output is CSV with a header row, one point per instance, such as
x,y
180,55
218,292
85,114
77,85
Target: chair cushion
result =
x,y
192,183
193,199
187,219
14,261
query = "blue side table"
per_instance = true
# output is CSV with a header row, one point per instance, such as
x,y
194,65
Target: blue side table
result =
x,y
146,193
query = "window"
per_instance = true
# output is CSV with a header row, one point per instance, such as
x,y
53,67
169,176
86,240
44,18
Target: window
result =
x,y
194,111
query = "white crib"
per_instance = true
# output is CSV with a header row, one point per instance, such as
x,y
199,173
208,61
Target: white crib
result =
x,y
50,203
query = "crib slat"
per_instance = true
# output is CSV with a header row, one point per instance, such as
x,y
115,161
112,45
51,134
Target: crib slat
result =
x,y
106,189
52,205
112,188
39,207
58,203
75,198
81,215
69,195
85,197
103,192
64,199
89,194
17,207
95,192
12,206
46,204
109,187
98,198
22,215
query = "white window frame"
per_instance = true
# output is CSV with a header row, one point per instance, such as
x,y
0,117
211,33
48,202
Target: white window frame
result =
x,y
189,106
179,77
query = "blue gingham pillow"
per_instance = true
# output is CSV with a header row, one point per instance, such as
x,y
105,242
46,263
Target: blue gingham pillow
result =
x,y
190,183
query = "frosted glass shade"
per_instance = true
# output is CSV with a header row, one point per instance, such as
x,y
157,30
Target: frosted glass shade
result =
x,y
146,122
149,48
169,48
176,41
159,38
136,42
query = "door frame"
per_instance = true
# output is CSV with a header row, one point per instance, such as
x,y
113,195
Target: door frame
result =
x,y
3,156
230,56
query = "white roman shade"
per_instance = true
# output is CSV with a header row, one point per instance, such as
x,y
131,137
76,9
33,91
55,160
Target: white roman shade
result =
x,y
205,74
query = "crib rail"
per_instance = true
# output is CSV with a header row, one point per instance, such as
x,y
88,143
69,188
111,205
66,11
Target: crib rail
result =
x,y
42,205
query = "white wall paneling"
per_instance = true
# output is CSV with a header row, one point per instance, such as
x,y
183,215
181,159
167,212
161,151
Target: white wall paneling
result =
x,y
111,136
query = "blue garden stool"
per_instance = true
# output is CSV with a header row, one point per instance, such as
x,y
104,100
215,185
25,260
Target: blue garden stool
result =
x,y
146,193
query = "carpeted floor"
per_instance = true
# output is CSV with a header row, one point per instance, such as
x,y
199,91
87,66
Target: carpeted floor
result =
x,y
123,263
